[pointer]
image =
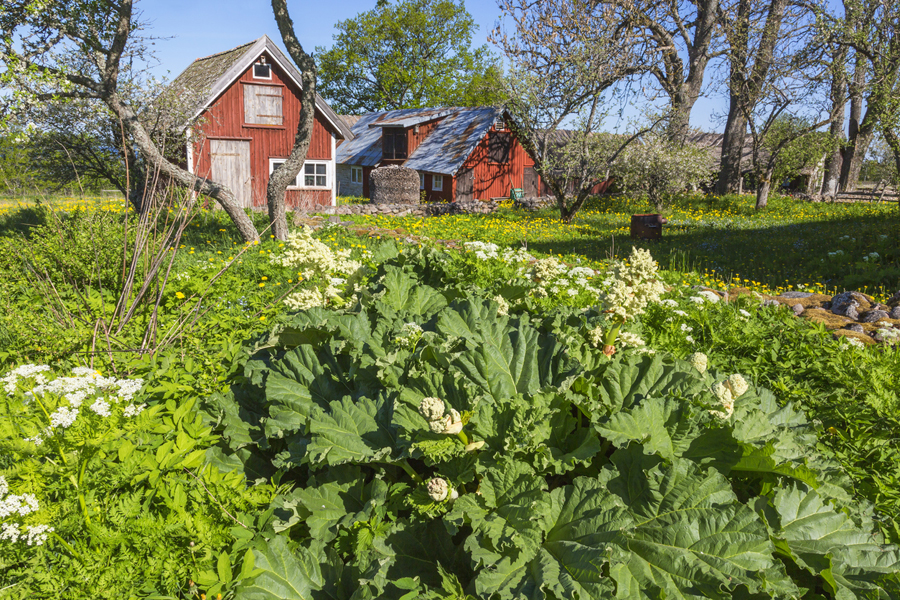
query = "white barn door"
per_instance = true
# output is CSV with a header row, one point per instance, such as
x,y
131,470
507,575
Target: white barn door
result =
x,y
231,166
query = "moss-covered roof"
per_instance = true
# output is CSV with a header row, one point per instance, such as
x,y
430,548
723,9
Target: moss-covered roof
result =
x,y
199,78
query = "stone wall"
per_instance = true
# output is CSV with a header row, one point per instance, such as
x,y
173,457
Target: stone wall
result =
x,y
345,186
406,209
394,184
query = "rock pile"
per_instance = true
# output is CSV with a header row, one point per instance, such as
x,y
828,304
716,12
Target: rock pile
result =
x,y
848,314
417,210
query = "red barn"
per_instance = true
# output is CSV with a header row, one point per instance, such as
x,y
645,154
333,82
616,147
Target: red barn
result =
x,y
460,153
246,122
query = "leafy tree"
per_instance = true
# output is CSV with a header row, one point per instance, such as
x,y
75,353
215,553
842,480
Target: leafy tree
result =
x,y
411,54
59,52
660,168
17,171
567,58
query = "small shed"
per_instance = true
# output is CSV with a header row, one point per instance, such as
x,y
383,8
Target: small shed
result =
x,y
246,120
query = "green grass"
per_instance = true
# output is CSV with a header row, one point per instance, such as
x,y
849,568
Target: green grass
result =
x,y
785,246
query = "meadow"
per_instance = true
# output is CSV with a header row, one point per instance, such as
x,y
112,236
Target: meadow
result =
x,y
238,418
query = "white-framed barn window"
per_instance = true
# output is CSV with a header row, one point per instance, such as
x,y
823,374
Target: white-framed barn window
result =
x,y
261,70
314,174
437,183
355,174
421,181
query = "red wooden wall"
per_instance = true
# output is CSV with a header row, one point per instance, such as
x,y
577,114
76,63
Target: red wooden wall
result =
x,y
494,180
225,120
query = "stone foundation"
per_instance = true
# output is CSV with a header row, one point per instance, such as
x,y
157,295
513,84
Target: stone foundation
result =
x,y
416,210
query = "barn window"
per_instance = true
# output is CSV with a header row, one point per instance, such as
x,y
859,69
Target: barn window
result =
x,y
261,70
262,105
355,174
421,181
437,183
498,147
393,143
314,174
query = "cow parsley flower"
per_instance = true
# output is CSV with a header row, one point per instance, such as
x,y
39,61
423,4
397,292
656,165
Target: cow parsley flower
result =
x,y
631,339
133,410
101,407
699,361
4,487
63,417
686,328
36,535
669,303
9,532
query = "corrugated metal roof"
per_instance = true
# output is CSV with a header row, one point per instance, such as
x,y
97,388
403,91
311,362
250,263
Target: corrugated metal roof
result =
x,y
444,151
417,119
210,76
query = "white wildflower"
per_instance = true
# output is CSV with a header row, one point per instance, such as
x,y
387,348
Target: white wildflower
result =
x,y
699,361
503,305
710,295
725,399
409,335
133,410
686,328
4,487
9,532
689,338
631,339
305,299
634,285
21,505
595,337
697,299
668,302
63,417
680,313
547,269
431,408
737,385
438,489
744,312
101,407
36,535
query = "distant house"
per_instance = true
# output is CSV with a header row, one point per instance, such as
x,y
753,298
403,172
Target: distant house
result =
x,y
244,126
460,153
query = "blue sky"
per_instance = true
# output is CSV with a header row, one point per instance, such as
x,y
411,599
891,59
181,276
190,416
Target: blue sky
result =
x,y
190,30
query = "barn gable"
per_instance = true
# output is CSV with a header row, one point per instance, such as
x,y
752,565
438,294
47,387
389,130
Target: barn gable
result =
x,y
248,105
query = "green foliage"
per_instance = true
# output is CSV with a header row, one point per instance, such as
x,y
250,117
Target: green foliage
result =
x,y
796,151
138,503
595,477
412,54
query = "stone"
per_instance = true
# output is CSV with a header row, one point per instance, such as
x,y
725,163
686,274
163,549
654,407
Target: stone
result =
x,y
798,309
771,302
856,327
873,316
795,295
846,304
895,312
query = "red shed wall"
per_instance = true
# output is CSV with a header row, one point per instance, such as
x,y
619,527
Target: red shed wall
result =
x,y
225,120
494,180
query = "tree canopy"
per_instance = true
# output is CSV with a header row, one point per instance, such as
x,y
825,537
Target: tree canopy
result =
x,y
411,54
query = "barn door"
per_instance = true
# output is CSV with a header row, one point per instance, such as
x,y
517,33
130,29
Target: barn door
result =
x,y
530,186
465,185
231,166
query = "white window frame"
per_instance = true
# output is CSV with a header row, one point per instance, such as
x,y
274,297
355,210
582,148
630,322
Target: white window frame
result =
x,y
437,183
253,71
356,175
329,174
421,181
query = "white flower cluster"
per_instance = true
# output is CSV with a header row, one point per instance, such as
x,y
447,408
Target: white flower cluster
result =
x,y
410,334
84,384
727,392
699,361
20,506
502,305
873,256
633,286
23,372
553,277
595,337
440,490
887,335
630,339
439,421
311,257
487,251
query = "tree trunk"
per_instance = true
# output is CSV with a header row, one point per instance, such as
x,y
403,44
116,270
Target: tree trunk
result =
x,y
893,140
854,157
287,173
155,158
852,162
832,177
762,190
698,56
732,150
